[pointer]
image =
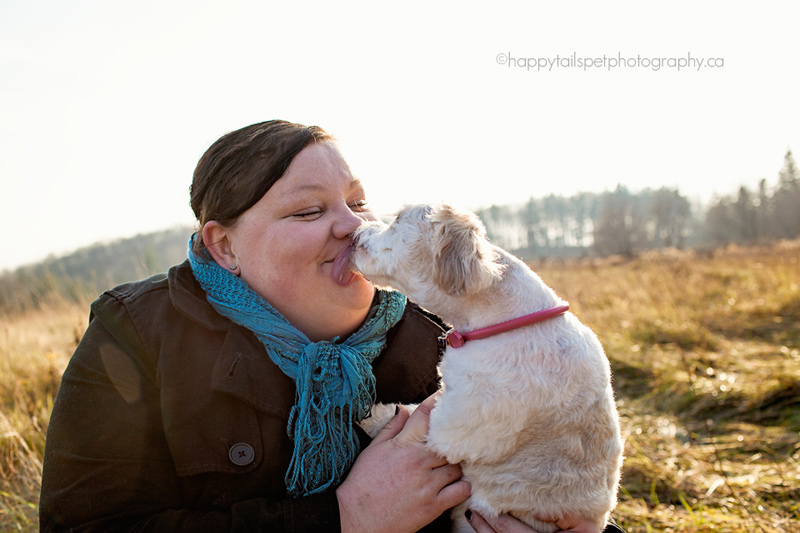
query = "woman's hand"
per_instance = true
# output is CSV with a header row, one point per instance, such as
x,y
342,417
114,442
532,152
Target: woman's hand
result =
x,y
397,484
509,524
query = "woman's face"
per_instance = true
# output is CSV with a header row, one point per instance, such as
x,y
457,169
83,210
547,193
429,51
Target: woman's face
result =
x,y
286,243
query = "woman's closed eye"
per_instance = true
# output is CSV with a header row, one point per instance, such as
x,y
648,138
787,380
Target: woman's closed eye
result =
x,y
307,214
312,213
359,205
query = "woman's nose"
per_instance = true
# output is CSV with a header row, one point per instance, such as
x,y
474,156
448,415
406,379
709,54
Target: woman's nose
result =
x,y
347,221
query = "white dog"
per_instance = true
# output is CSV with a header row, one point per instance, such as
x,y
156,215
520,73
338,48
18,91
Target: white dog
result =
x,y
529,412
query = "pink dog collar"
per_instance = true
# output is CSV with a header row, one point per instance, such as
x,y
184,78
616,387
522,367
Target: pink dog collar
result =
x,y
457,340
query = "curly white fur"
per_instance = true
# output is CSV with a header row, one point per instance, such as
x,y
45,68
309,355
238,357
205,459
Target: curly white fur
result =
x,y
530,413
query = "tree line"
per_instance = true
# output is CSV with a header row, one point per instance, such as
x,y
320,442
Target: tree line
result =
x,y
84,274
622,222
618,222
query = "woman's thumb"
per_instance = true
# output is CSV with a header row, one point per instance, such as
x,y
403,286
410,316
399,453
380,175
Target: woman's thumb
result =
x,y
392,427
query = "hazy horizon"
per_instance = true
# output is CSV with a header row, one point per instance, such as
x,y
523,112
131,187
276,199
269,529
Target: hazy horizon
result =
x,y
107,109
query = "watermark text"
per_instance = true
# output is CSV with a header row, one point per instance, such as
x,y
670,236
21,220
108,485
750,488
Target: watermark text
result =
x,y
607,62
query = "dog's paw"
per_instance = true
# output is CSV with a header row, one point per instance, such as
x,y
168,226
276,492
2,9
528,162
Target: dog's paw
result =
x,y
379,417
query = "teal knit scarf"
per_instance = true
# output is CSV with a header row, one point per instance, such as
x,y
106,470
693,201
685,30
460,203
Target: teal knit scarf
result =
x,y
335,386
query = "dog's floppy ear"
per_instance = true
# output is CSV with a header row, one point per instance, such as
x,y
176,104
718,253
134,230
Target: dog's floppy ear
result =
x,y
464,261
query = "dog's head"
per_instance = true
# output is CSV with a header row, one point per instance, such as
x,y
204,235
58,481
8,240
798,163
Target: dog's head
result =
x,y
427,252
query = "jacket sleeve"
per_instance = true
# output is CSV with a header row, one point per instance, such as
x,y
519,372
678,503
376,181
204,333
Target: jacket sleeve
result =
x,y
107,466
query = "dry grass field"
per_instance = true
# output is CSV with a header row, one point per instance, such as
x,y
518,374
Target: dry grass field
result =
x,y
705,350
34,350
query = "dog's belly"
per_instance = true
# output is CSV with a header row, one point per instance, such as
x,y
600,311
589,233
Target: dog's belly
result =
x,y
496,490
542,477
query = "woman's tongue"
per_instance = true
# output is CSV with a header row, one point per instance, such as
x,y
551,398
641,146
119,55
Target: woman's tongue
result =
x,y
342,272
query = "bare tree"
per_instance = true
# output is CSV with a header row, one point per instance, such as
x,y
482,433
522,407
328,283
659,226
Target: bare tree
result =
x,y
672,213
718,223
620,226
787,200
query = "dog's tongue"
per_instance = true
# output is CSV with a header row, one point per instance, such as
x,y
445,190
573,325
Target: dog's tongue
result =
x,y
342,271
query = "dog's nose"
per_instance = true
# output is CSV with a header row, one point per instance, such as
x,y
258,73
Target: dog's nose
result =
x,y
363,231
354,237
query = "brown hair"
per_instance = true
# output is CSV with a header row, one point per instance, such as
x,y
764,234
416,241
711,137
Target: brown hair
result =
x,y
240,167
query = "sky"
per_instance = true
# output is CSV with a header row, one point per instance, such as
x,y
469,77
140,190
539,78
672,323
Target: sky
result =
x,y
105,107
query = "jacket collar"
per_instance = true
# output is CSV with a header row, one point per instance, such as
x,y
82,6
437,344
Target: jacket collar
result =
x,y
189,298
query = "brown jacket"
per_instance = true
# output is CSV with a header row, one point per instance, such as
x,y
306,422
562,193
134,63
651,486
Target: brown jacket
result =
x,y
172,418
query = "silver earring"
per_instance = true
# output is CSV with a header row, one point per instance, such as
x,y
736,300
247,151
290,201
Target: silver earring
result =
x,y
234,267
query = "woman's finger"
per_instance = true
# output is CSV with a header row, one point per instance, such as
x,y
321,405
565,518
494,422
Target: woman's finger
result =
x,y
454,494
478,523
499,524
577,525
392,428
447,474
416,429
573,524
453,489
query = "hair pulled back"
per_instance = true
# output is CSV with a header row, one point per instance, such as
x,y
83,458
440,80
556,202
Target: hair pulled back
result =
x,y
240,167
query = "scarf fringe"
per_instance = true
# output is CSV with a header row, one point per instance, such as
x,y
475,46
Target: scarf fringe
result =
x,y
335,386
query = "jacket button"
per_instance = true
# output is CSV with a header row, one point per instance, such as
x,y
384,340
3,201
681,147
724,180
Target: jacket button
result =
x,y
241,454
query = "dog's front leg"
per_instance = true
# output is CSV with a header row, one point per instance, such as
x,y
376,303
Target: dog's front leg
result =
x,y
464,426
380,415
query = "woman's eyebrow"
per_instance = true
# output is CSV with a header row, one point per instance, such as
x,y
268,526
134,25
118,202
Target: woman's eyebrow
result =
x,y
304,187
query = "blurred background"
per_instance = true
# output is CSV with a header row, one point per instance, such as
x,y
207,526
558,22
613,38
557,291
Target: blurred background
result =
x,y
638,155
106,108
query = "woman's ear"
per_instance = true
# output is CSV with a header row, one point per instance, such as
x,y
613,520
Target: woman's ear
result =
x,y
218,242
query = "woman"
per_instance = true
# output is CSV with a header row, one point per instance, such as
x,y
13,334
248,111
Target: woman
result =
x,y
221,397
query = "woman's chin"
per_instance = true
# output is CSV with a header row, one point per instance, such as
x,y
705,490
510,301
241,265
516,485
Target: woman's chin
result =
x,y
359,290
